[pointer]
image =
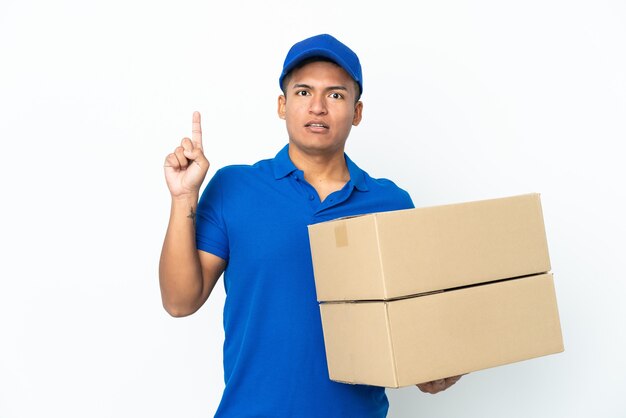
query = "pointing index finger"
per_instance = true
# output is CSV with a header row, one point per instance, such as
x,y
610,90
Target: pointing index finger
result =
x,y
196,130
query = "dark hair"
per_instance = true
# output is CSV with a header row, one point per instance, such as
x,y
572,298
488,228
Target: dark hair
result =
x,y
310,60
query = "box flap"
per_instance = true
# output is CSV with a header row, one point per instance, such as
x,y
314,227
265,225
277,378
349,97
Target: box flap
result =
x,y
357,340
346,260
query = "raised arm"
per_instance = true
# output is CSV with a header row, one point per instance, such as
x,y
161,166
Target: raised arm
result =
x,y
186,275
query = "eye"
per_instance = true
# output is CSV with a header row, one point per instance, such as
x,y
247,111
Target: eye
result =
x,y
302,93
336,95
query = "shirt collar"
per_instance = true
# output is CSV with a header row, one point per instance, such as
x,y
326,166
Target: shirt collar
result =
x,y
357,176
283,166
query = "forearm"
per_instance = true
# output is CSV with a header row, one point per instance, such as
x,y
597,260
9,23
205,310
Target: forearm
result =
x,y
180,271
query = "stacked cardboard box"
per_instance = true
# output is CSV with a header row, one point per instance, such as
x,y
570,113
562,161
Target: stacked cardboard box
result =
x,y
416,295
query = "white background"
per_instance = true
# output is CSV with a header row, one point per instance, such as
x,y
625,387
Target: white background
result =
x,y
463,101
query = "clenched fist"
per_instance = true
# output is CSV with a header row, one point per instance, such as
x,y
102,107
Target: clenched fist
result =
x,y
187,166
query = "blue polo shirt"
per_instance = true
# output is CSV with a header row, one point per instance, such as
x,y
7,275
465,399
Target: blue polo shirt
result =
x,y
256,218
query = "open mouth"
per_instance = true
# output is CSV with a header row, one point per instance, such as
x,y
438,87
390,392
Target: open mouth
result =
x,y
316,125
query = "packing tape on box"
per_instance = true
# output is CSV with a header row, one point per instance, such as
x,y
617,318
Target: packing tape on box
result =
x,y
341,235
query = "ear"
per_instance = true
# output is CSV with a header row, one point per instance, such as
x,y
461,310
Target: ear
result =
x,y
358,113
282,110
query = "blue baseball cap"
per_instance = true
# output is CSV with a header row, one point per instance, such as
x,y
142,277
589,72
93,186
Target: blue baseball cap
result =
x,y
324,46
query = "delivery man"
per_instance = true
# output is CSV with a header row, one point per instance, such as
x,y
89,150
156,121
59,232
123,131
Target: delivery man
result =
x,y
251,224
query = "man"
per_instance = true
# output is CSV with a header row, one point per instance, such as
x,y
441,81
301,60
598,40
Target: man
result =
x,y
251,224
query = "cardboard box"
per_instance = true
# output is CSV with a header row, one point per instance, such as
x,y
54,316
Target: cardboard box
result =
x,y
395,254
418,295
413,340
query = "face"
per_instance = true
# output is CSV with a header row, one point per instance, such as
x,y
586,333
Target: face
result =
x,y
319,108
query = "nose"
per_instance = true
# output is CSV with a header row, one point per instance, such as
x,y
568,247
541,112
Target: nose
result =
x,y
317,105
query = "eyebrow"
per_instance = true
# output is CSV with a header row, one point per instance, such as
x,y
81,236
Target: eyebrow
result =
x,y
306,86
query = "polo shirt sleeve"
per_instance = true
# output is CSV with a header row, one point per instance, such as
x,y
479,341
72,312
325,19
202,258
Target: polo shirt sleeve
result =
x,y
211,232
397,198
407,201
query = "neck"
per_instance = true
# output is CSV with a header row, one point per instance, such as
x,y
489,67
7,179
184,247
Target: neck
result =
x,y
325,172
320,166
